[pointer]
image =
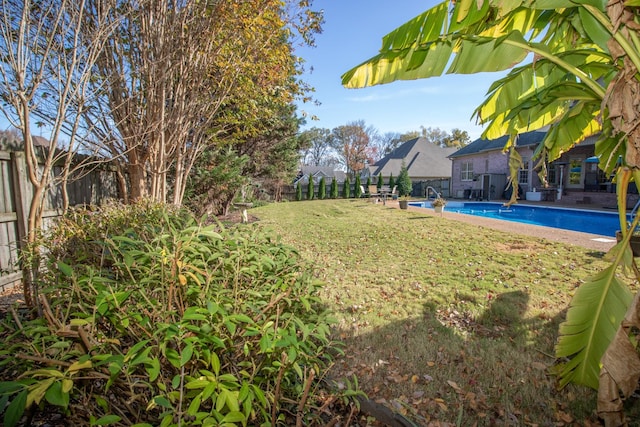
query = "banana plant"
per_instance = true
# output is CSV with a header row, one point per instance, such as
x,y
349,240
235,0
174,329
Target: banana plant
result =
x,y
574,67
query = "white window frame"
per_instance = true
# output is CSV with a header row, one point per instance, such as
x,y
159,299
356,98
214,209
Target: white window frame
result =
x,y
523,173
466,171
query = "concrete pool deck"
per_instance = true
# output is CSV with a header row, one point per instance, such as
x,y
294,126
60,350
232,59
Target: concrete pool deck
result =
x,y
585,240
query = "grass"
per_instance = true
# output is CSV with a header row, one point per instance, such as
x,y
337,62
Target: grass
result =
x,y
442,320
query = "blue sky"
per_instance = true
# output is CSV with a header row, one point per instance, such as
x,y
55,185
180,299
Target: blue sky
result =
x,y
352,33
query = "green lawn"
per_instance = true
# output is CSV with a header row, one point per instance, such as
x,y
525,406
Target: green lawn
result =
x,y
442,320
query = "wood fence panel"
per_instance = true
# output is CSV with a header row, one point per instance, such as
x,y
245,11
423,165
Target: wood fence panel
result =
x,y
16,193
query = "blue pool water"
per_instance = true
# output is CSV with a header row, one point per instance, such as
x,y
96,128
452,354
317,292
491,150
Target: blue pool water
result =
x,y
586,221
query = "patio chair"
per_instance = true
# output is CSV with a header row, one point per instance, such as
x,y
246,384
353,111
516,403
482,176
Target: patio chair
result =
x,y
373,192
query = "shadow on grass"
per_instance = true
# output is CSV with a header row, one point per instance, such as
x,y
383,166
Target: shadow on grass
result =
x,y
450,366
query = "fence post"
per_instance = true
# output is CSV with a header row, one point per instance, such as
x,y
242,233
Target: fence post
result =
x,y
21,194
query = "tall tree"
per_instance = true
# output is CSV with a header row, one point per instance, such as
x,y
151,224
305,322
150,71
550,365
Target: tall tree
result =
x,y
584,80
439,137
457,138
387,142
48,53
178,77
352,142
318,150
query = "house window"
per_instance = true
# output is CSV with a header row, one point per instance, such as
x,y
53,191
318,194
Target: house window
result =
x,y
523,176
552,174
466,171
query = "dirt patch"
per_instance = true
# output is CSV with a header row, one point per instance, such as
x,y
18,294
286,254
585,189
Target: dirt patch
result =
x,y
235,217
10,297
519,247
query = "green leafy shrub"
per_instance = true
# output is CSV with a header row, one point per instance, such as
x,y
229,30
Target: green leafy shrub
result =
x,y
358,187
154,319
334,188
346,189
380,182
392,181
299,191
322,189
405,186
310,189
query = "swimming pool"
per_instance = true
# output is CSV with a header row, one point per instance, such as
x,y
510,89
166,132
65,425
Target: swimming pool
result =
x,y
586,221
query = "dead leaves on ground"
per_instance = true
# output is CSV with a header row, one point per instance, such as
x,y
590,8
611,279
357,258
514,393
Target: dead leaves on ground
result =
x,y
453,401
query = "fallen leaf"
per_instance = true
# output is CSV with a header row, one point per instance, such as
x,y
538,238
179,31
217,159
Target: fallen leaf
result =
x,y
454,386
565,417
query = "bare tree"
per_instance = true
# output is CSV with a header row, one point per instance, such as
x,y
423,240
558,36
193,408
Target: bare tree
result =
x,y
387,143
45,69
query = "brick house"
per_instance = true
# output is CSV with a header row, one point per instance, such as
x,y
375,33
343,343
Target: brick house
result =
x,y
480,170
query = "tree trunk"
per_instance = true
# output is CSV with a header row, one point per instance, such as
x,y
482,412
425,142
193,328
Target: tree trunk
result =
x,y
123,190
137,178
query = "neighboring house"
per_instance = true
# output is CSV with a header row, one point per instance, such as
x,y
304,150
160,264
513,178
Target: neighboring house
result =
x,y
317,172
425,161
480,169
428,165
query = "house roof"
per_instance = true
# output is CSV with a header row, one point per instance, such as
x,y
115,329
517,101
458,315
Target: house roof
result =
x,y
481,145
318,172
422,158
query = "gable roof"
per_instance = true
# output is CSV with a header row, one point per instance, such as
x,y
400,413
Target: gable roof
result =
x,y
481,145
318,172
422,158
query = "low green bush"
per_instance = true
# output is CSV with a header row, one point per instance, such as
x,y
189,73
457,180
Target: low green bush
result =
x,y
310,188
334,188
299,191
346,189
150,318
322,189
358,187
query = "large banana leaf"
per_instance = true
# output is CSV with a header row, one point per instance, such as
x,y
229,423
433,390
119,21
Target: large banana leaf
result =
x,y
425,45
578,123
595,313
473,37
536,96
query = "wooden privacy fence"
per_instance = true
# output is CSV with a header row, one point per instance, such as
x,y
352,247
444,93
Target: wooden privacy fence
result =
x,y
16,193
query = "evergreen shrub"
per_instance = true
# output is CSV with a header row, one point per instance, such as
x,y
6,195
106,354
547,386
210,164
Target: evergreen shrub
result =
x,y
334,188
322,189
346,189
155,319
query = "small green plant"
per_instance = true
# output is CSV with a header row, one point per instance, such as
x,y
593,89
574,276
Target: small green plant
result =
x,y
380,182
392,181
358,187
334,188
346,190
405,186
322,189
299,191
438,201
310,188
